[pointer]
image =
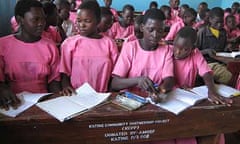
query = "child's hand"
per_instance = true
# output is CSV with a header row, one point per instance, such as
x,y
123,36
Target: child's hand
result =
x,y
7,99
68,91
217,99
146,84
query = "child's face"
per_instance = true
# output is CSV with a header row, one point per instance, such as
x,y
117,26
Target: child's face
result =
x,y
64,13
153,31
231,23
105,23
174,3
33,22
201,7
108,3
167,14
188,19
234,9
87,23
216,22
138,33
127,17
182,48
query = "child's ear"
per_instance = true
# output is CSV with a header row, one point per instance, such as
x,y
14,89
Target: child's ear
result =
x,y
19,20
141,27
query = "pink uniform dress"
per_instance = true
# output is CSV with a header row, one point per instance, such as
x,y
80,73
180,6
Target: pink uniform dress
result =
x,y
232,33
52,34
186,70
157,65
28,66
119,32
134,62
14,24
88,60
174,29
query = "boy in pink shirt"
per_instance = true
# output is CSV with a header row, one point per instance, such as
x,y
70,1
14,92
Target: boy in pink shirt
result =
x,y
27,61
188,62
188,20
123,28
88,57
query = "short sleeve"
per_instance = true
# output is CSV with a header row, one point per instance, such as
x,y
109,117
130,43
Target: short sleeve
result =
x,y
124,62
168,70
201,63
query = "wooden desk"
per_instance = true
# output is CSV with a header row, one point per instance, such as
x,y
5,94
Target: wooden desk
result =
x,y
110,124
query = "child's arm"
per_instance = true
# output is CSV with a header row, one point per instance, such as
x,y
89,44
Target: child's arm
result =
x,y
212,93
7,97
66,86
54,86
145,83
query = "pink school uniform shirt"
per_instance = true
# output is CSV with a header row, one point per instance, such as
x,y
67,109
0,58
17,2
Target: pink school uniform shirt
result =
x,y
88,60
174,29
28,66
119,32
134,62
232,33
186,70
115,14
52,34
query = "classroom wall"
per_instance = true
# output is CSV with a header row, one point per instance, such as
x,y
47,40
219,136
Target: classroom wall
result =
x,y
228,3
6,12
141,5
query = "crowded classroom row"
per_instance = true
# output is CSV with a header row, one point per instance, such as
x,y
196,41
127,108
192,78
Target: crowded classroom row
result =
x,y
56,47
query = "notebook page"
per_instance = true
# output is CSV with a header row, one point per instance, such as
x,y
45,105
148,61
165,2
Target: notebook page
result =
x,y
62,108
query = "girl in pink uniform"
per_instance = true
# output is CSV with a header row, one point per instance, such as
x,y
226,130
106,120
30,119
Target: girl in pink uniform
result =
x,y
28,62
123,28
88,57
188,62
144,62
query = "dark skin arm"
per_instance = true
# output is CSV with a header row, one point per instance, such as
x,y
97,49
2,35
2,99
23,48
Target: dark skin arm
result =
x,y
7,97
54,87
212,94
143,82
66,85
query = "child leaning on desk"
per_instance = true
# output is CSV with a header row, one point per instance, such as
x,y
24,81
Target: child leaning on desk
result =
x,y
188,62
28,62
144,62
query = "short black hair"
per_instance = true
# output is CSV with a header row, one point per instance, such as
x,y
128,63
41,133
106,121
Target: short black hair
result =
x,y
128,7
153,14
216,12
24,6
185,6
139,19
153,3
105,12
236,4
229,10
93,6
61,3
203,3
188,33
191,11
48,7
165,7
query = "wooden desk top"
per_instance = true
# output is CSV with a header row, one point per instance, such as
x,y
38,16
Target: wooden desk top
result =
x,y
110,124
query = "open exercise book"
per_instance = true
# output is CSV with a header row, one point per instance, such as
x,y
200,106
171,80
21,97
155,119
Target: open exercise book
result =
x,y
179,99
67,107
27,100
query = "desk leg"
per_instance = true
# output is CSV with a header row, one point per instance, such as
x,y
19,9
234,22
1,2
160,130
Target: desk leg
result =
x,y
213,139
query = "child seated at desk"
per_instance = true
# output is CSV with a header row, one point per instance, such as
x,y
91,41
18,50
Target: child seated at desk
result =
x,y
88,57
28,62
144,62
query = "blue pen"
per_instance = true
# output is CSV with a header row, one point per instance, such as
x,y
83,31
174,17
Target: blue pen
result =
x,y
135,97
